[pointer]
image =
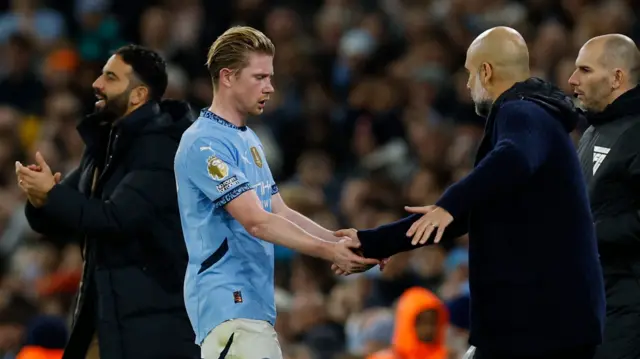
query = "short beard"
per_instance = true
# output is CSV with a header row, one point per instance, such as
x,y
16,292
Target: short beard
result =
x,y
483,108
482,99
115,107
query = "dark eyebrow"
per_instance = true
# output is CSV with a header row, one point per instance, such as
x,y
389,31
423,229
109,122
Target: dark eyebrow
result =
x,y
111,73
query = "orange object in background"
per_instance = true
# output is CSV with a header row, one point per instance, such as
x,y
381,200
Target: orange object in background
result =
x,y
406,341
59,282
36,352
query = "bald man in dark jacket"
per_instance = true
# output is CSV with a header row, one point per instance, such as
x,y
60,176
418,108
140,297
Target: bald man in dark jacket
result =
x,y
534,274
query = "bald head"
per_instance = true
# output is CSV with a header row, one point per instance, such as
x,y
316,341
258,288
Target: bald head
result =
x,y
606,67
616,51
496,60
505,50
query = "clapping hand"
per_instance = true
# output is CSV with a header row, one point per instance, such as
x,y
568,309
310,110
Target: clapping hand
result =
x,y
434,217
36,180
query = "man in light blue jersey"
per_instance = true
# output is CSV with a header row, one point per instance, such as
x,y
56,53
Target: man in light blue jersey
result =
x,y
231,211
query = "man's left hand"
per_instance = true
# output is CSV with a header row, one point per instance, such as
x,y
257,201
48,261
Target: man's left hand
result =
x,y
434,217
36,183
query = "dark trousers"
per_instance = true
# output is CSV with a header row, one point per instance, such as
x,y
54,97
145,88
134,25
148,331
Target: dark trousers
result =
x,y
573,353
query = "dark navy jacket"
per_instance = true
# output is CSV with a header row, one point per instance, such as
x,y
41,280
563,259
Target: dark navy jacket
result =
x,y
535,277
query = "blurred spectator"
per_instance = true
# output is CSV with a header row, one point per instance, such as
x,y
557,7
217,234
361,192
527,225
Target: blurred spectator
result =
x,y
312,326
46,339
458,336
369,331
99,33
21,87
371,112
30,17
15,314
420,328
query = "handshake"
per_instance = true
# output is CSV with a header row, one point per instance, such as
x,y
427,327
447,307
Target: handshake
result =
x,y
348,255
348,252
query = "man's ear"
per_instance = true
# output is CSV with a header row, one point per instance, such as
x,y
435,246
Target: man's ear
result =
x,y
226,77
486,73
619,77
139,95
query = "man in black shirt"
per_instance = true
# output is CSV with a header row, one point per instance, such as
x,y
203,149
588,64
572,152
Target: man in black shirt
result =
x,y
606,83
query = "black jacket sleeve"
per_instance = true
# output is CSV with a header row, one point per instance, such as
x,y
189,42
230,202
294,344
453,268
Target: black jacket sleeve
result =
x,y
522,146
128,211
40,222
390,239
624,228
143,194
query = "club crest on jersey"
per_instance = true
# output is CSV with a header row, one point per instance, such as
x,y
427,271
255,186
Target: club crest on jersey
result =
x,y
216,168
256,157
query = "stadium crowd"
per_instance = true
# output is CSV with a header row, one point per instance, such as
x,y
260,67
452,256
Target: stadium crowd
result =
x,y
371,113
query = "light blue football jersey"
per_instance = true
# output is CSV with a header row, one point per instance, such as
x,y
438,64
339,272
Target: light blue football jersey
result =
x,y
230,273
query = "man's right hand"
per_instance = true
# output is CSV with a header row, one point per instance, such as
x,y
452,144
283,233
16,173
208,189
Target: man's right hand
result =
x,y
344,257
352,233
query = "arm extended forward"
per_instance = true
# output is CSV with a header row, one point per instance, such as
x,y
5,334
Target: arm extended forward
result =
x,y
390,239
246,209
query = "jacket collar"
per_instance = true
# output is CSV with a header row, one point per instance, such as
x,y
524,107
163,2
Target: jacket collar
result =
x,y
627,104
94,128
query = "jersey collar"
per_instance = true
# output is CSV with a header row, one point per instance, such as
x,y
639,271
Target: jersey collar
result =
x,y
212,116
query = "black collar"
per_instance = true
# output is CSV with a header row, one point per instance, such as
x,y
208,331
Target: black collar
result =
x,y
627,104
94,127
136,121
544,94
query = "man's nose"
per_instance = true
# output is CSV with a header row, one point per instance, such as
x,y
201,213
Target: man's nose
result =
x,y
97,84
573,81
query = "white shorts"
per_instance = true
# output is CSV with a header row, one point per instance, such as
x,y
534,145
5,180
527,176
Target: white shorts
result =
x,y
242,338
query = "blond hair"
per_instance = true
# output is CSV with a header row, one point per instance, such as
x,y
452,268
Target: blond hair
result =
x,y
231,50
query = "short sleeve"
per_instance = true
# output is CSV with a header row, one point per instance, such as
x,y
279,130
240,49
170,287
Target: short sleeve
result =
x,y
213,171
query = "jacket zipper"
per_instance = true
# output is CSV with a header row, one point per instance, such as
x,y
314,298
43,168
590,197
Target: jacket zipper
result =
x,y
94,182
